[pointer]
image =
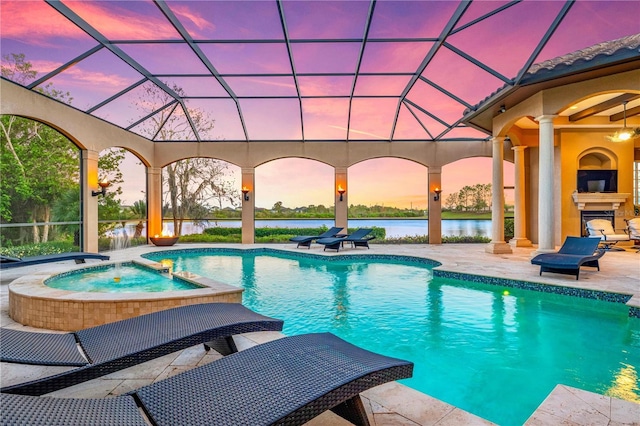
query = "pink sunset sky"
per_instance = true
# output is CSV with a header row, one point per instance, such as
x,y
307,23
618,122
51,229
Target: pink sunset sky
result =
x,y
318,105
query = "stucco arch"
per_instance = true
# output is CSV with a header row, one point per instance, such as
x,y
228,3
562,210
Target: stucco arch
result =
x,y
397,157
289,157
84,130
597,158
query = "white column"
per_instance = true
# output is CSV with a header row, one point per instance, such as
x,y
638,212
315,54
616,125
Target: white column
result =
x,y
435,206
520,223
154,201
497,244
341,207
248,206
546,219
90,203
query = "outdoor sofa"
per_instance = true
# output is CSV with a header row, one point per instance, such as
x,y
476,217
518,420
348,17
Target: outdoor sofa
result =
x,y
122,344
574,253
286,381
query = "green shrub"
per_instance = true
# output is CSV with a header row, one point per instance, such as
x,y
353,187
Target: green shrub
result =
x,y
465,239
416,239
451,239
508,229
223,232
52,247
207,238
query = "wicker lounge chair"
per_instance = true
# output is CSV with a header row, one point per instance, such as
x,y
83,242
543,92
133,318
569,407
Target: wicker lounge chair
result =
x,y
574,253
358,239
7,262
306,240
118,345
604,231
287,381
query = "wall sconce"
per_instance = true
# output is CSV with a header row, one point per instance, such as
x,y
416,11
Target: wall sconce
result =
x,y
341,191
103,188
245,192
502,109
437,191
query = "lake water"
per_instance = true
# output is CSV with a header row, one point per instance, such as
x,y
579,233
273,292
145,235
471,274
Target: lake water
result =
x,y
394,227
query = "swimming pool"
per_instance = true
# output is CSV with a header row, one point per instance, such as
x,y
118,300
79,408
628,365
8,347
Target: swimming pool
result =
x,y
494,351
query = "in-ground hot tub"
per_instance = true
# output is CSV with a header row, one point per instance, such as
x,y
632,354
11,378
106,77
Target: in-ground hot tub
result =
x,y
33,303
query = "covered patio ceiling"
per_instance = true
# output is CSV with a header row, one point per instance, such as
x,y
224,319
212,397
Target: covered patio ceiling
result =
x,y
286,70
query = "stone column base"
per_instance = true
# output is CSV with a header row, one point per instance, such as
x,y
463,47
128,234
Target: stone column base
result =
x,y
520,242
498,247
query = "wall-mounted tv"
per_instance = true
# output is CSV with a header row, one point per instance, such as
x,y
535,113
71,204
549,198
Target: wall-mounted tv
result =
x,y
597,181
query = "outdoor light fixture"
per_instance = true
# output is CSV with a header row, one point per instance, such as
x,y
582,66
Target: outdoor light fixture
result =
x,y
341,191
245,192
502,109
626,133
437,191
103,188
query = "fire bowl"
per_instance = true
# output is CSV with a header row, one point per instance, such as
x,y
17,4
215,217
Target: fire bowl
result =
x,y
164,241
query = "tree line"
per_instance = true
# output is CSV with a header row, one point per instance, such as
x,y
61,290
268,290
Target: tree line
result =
x,y
476,199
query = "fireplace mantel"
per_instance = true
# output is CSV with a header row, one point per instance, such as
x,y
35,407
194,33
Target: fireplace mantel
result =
x,y
599,200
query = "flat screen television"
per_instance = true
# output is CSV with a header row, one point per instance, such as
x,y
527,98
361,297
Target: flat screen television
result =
x,y
597,181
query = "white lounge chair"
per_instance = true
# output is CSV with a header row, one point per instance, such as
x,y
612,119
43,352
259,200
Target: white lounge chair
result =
x,y
603,229
633,230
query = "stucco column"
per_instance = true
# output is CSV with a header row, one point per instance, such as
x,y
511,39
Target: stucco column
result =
x,y
89,202
154,201
435,206
520,220
546,219
497,244
248,205
341,206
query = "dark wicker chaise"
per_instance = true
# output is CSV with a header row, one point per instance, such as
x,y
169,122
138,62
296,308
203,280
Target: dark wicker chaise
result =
x,y
358,239
7,262
306,240
574,253
287,381
122,344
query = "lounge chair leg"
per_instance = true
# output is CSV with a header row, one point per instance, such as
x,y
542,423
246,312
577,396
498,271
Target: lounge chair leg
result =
x,y
353,411
224,345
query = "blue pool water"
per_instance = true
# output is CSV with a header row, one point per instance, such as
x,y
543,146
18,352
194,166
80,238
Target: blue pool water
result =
x,y
493,351
103,279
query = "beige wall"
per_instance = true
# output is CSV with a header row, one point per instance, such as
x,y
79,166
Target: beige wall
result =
x,y
570,144
574,145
